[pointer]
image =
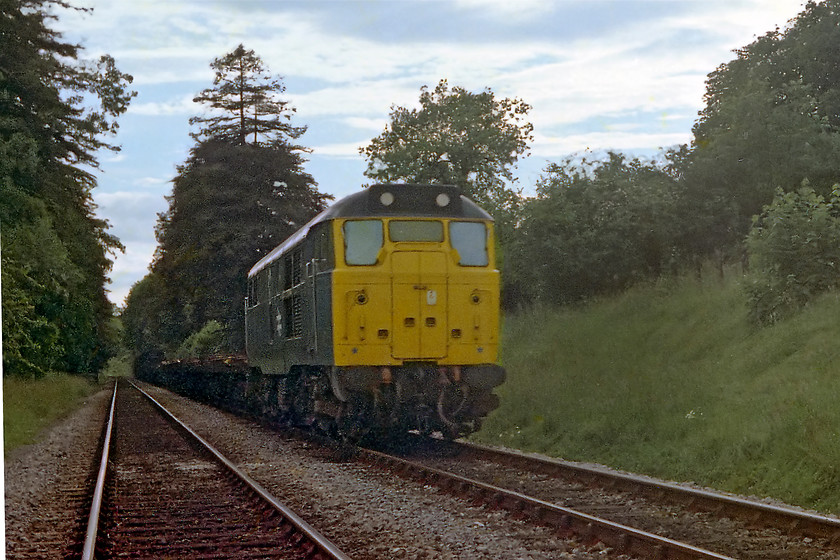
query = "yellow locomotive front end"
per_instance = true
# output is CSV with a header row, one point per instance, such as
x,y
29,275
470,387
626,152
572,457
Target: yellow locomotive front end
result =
x,y
415,304
415,290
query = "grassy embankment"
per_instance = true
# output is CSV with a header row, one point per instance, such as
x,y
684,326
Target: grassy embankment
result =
x,y
30,405
676,383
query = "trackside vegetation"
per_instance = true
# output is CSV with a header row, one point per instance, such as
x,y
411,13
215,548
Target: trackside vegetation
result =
x,y
31,405
678,382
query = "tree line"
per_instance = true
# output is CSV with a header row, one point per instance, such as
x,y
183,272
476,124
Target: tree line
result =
x,y
55,252
756,186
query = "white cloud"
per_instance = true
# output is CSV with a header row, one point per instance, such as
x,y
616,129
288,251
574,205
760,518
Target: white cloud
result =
x,y
132,215
129,268
363,123
505,10
636,87
182,105
619,140
143,182
345,150
113,158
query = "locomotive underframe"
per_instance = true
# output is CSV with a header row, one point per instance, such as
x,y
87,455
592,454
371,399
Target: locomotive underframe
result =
x,y
352,403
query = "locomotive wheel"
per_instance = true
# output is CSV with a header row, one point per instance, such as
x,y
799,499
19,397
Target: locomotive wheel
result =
x,y
354,423
452,402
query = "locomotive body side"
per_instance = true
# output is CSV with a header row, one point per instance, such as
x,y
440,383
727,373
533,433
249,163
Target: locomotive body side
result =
x,y
288,312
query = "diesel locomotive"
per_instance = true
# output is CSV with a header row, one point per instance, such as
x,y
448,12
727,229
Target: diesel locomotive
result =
x,y
381,315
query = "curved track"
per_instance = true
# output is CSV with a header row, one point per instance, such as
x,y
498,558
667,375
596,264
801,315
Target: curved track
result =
x,y
165,492
787,520
629,508
569,522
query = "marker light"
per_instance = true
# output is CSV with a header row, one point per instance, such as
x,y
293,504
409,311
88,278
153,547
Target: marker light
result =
x,y
442,200
386,198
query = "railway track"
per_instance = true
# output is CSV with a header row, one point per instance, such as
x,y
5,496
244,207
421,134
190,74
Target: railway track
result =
x,y
538,494
631,514
164,492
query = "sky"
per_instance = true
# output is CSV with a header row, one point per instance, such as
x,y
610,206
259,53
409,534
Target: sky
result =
x,y
624,75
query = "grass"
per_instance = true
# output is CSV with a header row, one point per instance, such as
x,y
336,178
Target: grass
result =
x,y
31,405
675,382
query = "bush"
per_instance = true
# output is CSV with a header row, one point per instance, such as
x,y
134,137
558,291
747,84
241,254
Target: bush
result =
x,y
595,228
794,248
208,341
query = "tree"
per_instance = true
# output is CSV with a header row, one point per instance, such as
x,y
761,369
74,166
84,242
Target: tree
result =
x,y
595,228
471,140
232,202
244,102
230,205
55,251
794,250
770,122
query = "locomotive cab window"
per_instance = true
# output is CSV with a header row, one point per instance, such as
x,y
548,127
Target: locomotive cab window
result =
x,y
416,230
362,241
470,240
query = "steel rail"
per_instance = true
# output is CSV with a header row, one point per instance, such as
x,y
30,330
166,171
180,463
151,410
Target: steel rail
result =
x,y
99,489
624,539
323,547
785,519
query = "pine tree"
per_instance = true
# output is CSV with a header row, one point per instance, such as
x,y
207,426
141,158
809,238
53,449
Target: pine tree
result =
x,y
241,192
230,205
244,102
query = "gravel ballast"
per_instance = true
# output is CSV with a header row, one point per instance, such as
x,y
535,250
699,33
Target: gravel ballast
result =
x,y
367,512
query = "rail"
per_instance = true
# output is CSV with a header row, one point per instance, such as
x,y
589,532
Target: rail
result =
x,y
624,539
99,489
325,549
785,519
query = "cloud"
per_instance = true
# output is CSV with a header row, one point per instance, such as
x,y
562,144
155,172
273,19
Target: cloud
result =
x,y
344,150
619,140
610,74
114,158
129,268
132,215
181,105
505,10
368,124
142,182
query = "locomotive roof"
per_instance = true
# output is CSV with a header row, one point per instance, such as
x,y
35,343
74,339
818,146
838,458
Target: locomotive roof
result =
x,y
388,201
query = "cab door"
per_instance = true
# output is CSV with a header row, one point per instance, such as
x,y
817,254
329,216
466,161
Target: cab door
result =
x,y
418,284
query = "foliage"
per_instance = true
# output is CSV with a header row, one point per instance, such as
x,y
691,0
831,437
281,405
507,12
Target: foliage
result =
x,y
243,102
770,122
594,228
471,140
794,253
55,251
231,202
150,316
208,341
30,406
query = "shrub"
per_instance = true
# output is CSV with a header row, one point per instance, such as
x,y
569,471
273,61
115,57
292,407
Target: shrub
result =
x,y
794,248
208,341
